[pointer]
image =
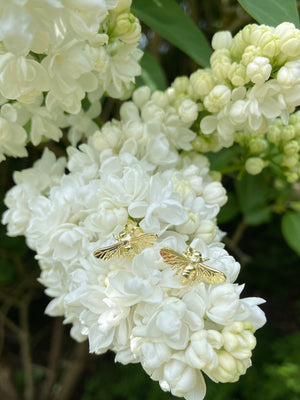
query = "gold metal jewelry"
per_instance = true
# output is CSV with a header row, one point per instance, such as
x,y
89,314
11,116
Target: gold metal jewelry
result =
x,y
191,266
130,241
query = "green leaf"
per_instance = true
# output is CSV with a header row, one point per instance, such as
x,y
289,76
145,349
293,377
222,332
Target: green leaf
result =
x,y
223,158
290,227
152,74
168,19
252,193
7,272
272,12
229,210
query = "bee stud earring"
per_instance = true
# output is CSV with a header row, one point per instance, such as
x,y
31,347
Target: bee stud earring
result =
x,y
130,241
191,266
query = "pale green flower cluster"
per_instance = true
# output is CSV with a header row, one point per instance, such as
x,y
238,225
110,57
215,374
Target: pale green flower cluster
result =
x,y
279,146
254,78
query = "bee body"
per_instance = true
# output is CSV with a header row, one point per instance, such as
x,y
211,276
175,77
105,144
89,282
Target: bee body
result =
x,y
130,241
190,265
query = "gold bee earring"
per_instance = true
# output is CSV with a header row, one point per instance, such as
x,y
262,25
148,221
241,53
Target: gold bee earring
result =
x,y
191,266
130,241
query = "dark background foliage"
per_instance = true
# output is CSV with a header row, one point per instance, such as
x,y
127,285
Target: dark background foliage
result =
x,y
39,360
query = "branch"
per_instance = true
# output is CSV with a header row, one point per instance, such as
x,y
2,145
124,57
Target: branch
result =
x,y
72,374
53,360
24,337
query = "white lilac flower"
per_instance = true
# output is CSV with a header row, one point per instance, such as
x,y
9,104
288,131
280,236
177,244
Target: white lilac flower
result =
x,y
137,307
55,53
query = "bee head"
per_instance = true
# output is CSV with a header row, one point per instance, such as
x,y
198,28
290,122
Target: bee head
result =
x,y
192,254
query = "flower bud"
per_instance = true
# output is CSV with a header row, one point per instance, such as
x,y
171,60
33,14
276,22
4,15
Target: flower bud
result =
x,y
127,28
254,165
181,84
201,352
206,230
221,40
297,129
202,82
257,145
290,161
250,53
141,95
171,93
179,377
237,74
264,38
217,98
188,111
289,75
289,39
239,340
215,176
292,177
160,98
151,112
129,111
295,118
122,5
229,368
220,62
214,193
274,134
241,40
259,70
201,144
290,148
287,133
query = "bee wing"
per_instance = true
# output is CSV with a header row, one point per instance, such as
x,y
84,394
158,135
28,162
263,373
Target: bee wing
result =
x,y
174,259
210,275
106,253
139,243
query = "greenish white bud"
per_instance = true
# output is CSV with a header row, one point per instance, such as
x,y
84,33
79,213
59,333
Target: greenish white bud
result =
x,y
141,95
171,93
250,53
202,82
289,75
188,111
221,40
241,40
264,38
122,5
218,97
220,62
257,145
181,84
289,39
216,176
259,70
201,145
297,129
206,231
290,148
287,133
292,177
127,28
160,98
274,134
237,74
290,161
295,118
254,165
